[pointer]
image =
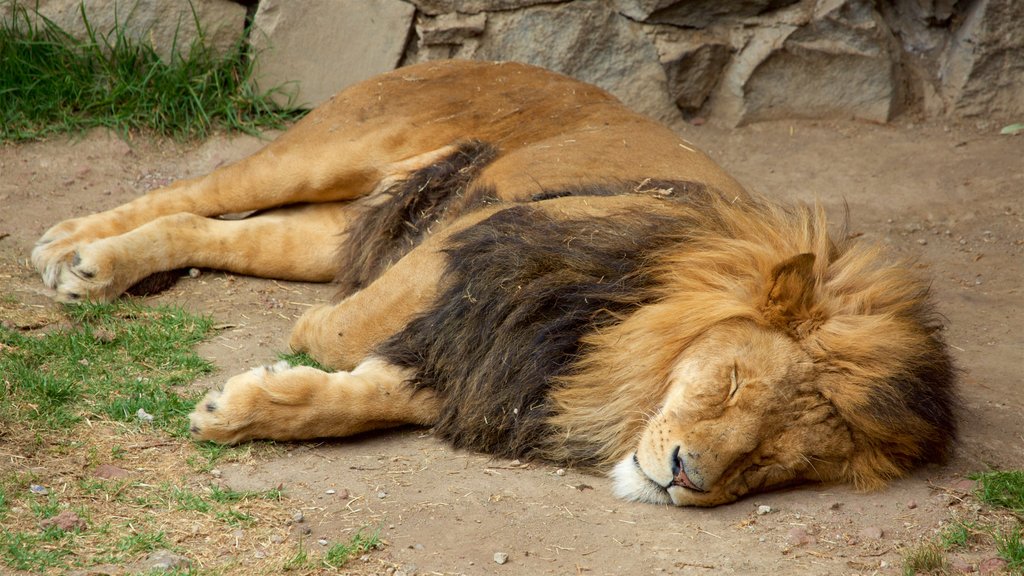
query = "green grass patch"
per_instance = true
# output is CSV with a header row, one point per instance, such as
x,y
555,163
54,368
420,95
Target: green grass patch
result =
x,y
113,360
924,559
1010,546
340,553
51,83
1003,489
302,359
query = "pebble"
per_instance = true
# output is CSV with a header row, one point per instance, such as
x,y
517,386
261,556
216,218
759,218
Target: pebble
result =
x,y
322,542
65,522
560,472
161,560
194,272
142,416
912,504
37,489
216,473
763,509
992,566
343,494
298,517
103,335
417,546
500,557
800,536
382,494
872,533
331,491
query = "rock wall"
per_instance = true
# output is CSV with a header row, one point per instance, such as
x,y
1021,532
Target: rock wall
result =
x,y
732,61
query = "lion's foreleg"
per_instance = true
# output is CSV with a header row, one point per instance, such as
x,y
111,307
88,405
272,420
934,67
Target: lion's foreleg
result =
x,y
290,244
281,402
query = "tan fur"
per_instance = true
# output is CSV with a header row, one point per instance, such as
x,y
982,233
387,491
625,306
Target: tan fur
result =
x,y
758,357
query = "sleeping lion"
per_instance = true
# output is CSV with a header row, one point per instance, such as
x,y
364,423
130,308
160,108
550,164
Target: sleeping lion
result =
x,y
537,272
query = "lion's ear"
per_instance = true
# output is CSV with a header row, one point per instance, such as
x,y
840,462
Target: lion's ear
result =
x,y
791,292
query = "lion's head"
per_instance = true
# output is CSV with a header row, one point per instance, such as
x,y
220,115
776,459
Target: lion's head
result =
x,y
774,356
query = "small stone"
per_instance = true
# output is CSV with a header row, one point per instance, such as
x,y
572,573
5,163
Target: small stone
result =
x,y
84,361
922,241
515,463
912,504
500,557
417,546
110,472
800,537
276,539
343,494
883,564
216,473
382,494
872,533
992,566
306,530
259,554
161,560
103,335
194,272
322,541
238,534
964,485
560,472
66,521
331,491
142,416
37,489
298,517
763,509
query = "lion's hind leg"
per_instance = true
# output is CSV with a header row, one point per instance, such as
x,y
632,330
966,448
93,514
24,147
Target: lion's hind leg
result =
x,y
282,402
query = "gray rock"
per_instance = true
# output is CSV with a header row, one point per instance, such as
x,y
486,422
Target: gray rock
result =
x,y
167,26
161,560
500,557
450,28
872,533
837,64
693,62
696,13
983,71
435,7
323,46
586,40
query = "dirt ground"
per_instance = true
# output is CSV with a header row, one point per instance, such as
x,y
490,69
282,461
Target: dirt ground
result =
x,y
952,199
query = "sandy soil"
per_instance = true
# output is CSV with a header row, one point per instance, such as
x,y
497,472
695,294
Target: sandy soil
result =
x,y
951,199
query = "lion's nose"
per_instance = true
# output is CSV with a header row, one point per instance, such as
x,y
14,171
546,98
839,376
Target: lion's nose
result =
x,y
680,477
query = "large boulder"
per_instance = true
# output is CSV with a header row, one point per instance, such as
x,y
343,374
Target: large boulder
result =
x,y
835,60
983,72
436,7
169,27
697,13
314,48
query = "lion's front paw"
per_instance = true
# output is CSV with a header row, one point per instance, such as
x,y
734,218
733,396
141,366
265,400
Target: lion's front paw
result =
x,y
95,272
78,264
234,414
